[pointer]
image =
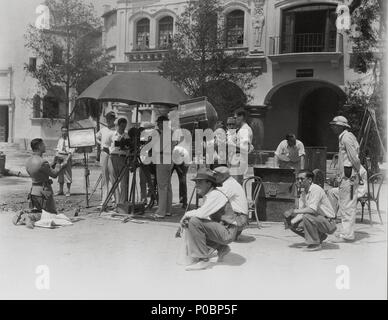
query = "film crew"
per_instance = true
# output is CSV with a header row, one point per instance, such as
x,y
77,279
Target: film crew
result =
x,y
181,161
349,176
236,196
290,153
362,189
118,153
104,139
243,146
63,151
210,227
147,182
41,193
163,172
315,217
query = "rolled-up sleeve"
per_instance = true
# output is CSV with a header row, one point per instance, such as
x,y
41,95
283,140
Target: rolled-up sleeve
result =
x,y
301,151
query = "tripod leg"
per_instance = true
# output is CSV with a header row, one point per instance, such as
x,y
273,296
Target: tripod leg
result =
x,y
95,186
114,187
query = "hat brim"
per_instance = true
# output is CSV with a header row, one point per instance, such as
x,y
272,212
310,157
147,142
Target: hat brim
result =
x,y
339,124
213,181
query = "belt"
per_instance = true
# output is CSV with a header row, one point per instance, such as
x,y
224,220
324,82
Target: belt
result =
x,y
118,155
42,184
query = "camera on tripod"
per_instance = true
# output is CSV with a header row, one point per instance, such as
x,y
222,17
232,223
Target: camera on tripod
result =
x,y
124,144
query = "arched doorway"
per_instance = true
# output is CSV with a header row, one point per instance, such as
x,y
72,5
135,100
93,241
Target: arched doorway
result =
x,y
316,110
303,107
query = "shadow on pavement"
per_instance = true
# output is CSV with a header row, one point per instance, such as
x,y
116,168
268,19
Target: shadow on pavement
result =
x,y
233,259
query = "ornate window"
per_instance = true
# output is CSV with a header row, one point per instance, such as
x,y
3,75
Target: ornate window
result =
x,y
235,29
166,28
143,34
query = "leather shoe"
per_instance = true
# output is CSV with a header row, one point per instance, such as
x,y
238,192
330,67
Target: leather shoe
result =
x,y
313,247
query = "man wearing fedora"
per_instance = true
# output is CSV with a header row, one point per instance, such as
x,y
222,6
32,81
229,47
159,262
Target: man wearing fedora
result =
x,y
211,225
348,174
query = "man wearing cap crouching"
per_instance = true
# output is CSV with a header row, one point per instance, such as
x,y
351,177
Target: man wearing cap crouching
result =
x,y
210,226
348,173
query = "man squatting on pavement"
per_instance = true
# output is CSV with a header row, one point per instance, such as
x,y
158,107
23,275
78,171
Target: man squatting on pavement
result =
x,y
216,223
315,217
41,194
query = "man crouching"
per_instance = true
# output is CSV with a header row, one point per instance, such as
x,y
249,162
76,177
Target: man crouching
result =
x,y
315,218
204,226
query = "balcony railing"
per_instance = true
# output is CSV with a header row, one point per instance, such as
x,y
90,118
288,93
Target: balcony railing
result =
x,y
306,42
146,55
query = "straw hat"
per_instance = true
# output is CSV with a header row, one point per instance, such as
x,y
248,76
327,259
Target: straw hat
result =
x,y
340,121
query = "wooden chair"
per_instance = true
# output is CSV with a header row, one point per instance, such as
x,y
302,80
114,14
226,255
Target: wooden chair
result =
x,y
374,187
252,207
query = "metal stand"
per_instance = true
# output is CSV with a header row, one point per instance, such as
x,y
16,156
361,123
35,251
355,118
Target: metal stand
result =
x,y
132,162
87,173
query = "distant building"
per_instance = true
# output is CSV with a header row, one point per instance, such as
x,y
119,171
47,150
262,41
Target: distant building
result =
x,y
301,60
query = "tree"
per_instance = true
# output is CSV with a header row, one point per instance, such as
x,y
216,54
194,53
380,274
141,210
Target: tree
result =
x,y
69,53
199,62
367,36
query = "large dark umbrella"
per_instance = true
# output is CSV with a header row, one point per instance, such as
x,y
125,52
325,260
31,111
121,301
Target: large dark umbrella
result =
x,y
135,88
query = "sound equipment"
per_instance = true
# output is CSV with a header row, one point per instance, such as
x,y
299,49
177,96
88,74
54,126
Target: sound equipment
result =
x,y
279,192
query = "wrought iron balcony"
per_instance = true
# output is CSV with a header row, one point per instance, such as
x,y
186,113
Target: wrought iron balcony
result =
x,y
306,42
146,55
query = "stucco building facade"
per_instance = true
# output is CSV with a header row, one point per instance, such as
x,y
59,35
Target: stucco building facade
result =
x,y
302,60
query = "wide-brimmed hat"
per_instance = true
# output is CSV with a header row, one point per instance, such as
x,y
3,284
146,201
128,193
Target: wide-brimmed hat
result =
x,y
222,173
340,121
206,174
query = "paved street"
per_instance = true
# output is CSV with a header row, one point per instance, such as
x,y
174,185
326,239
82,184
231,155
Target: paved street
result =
x,y
103,258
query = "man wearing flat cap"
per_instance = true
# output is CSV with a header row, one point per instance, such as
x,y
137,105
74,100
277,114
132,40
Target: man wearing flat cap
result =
x,y
348,173
211,225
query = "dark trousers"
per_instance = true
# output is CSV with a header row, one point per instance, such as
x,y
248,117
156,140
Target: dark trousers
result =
x,y
313,228
181,170
202,234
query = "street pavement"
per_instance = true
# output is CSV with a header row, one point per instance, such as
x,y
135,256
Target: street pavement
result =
x,y
99,257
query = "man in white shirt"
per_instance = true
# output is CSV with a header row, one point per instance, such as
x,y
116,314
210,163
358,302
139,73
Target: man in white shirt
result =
x,y
207,226
181,159
290,154
349,174
64,151
104,139
117,158
243,145
315,217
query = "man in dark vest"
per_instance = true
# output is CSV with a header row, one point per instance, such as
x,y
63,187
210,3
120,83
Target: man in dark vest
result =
x,y
212,226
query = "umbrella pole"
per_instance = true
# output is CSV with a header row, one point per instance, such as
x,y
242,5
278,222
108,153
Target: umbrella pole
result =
x,y
133,189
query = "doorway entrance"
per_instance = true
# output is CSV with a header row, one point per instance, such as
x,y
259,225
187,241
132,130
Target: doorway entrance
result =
x,y
316,110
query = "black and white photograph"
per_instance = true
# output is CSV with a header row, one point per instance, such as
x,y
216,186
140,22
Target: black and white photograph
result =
x,y
193,150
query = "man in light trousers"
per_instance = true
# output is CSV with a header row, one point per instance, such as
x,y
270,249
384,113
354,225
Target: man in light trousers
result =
x,y
349,173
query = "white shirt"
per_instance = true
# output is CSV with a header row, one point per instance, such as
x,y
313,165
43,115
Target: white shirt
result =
x,y
213,201
286,153
239,161
63,146
348,150
105,136
317,200
117,137
235,194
